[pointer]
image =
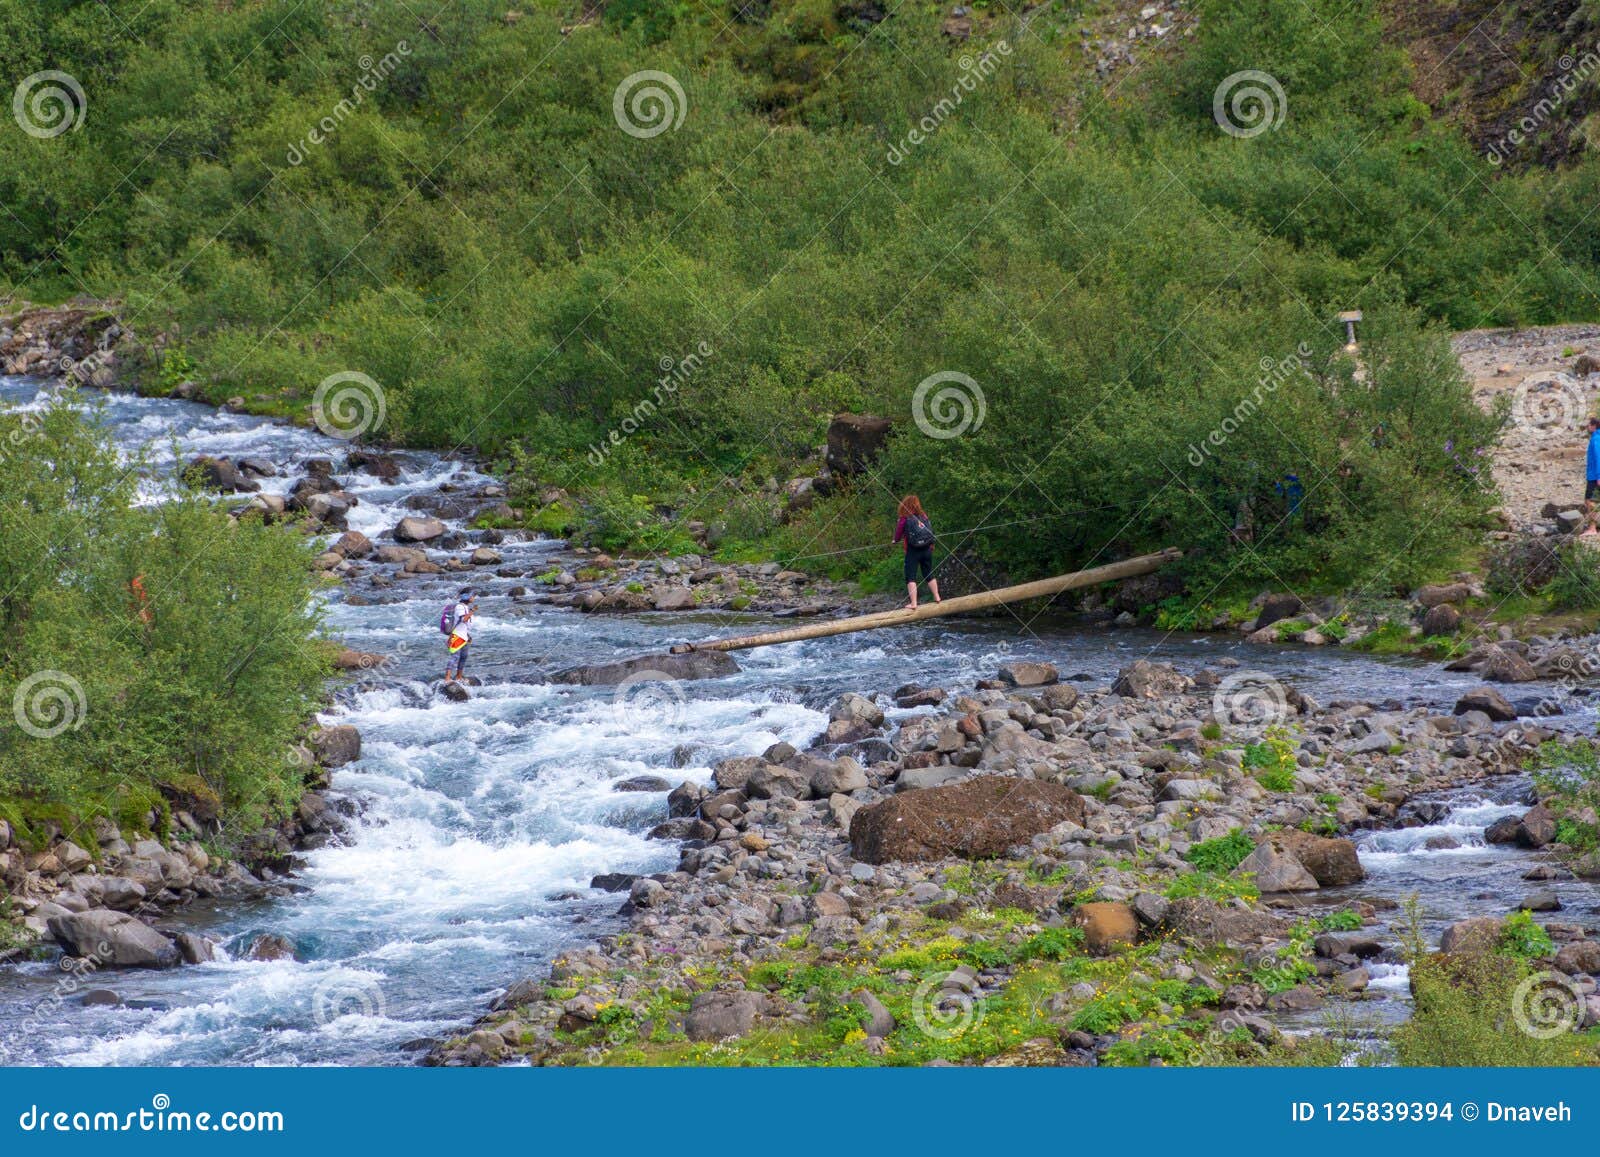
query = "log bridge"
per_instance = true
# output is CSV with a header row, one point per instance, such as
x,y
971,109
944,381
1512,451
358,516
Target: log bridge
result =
x,y
905,616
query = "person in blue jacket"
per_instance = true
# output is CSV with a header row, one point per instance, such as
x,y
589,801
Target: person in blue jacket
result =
x,y
1591,475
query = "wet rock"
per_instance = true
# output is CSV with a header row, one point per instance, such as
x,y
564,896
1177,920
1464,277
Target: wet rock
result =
x,y
101,998
269,946
1543,900
415,529
642,783
195,949
113,939
336,746
690,665
841,777
1503,666
975,819
1489,701
1579,958
1335,944
1029,674
613,881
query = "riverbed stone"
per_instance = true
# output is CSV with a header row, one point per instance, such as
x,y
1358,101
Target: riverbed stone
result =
x,y
336,746
1023,674
1332,861
113,939
1277,871
1106,926
415,529
715,1016
1489,701
690,665
978,818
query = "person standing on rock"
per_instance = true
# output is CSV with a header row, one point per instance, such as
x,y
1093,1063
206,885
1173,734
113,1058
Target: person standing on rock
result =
x,y
1591,477
916,531
460,632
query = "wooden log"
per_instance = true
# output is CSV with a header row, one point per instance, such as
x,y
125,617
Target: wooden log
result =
x,y
1042,588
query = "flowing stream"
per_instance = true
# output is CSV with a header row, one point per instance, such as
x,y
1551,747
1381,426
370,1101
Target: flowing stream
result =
x,y
484,821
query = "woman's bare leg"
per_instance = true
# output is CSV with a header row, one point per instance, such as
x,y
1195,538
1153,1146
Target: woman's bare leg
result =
x,y
933,585
911,595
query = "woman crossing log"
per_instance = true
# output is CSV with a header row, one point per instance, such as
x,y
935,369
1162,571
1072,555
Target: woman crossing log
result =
x,y
915,529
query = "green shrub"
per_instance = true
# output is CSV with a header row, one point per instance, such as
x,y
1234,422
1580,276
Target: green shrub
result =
x,y
1523,936
1223,854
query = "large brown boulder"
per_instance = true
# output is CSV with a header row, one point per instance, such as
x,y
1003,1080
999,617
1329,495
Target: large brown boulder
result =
x,y
414,529
1490,702
1106,926
855,441
1332,861
977,818
1207,924
337,746
1508,667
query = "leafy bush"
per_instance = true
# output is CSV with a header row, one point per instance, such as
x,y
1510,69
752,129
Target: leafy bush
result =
x,y
1463,1016
1524,936
166,652
1223,854
1576,583
1273,760
1523,565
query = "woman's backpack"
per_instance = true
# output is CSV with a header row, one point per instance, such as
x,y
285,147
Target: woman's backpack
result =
x,y
919,532
447,619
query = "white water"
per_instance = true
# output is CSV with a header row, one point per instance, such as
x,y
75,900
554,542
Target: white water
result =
x,y
484,821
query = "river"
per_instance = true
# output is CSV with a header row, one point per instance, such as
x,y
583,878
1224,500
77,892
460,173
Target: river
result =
x,y
483,822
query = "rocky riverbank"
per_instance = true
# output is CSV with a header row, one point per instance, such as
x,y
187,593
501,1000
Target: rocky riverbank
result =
x,y
1026,873
105,893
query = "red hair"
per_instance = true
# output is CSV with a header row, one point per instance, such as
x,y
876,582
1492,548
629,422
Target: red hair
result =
x,y
910,505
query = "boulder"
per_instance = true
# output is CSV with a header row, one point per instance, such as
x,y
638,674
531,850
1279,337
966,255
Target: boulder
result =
x,y
1030,674
674,599
1533,829
336,746
1207,924
1333,862
841,777
195,949
1503,666
715,1016
775,781
1106,926
1437,594
855,441
689,665
1279,606
348,660
1489,701
1277,871
852,708
1579,957
352,544
1143,679
113,939
977,818
208,473
1443,619
270,947
1479,934
414,529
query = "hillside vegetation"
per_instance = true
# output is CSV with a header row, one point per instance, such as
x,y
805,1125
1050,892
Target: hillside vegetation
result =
x,y
1116,274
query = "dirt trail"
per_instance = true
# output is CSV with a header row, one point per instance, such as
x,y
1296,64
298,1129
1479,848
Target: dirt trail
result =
x,y
1540,458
